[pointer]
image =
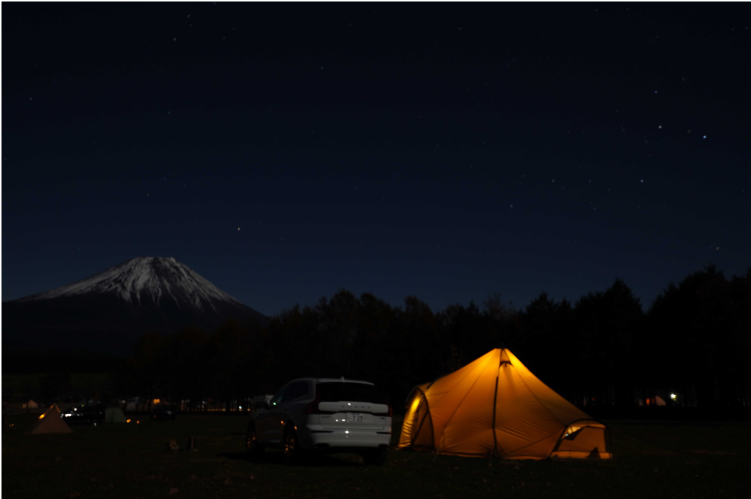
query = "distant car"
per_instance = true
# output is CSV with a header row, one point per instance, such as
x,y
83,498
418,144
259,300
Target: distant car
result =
x,y
324,415
164,412
88,414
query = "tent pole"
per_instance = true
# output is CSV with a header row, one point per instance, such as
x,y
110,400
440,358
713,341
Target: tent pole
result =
x,y
495,401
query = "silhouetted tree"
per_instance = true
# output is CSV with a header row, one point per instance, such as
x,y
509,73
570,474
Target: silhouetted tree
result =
x,y
55,384
698,334
606,323
548,342
602,347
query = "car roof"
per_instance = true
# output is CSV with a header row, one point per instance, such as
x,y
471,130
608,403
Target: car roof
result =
x,y
333,380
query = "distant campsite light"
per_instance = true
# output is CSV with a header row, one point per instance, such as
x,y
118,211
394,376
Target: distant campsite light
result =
x,y
40,417
156,401
672,396
138,422
128,421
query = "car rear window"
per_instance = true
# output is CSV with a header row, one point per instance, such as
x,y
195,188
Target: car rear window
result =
x,y
352,392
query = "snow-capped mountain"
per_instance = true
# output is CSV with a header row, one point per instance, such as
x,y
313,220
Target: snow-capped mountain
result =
x,y
146,278
111,309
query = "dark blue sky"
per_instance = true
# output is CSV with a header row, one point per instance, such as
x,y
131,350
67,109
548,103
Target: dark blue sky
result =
x,y
448,151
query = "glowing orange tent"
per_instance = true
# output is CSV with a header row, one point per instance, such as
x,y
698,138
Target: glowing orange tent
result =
x,y
50,422
495,406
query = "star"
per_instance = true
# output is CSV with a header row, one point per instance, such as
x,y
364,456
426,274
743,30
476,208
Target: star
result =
x,y
704,137
660,127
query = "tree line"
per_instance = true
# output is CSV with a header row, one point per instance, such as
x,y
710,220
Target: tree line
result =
x,y
602,350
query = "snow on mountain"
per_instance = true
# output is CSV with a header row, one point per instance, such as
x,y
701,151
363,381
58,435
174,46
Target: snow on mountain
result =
x,y
109,311
146,279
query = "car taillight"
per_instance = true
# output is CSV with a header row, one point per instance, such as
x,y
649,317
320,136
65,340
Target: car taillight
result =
x,y
387,413
313,406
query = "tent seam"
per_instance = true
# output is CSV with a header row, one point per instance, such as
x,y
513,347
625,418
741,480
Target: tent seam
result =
x,y
538,400
422,421
537,442
459,404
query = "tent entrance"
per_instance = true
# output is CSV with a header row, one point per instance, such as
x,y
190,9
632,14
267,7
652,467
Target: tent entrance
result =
x,y
419,425
583,439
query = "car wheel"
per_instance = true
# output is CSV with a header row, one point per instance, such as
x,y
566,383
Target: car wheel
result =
x,y
292,452
376,457
252,447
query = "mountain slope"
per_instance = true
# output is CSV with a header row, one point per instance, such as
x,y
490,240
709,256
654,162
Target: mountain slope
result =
x,y
107,312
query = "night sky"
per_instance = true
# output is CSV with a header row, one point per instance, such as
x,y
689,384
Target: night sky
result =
x,y
449,151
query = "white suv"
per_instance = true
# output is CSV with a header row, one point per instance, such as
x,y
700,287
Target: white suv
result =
x,y
326,415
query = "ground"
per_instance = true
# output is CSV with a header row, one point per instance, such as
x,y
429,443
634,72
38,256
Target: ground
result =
x,y
134,461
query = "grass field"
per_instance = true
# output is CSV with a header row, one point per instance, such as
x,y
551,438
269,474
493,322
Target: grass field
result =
x,y
133,461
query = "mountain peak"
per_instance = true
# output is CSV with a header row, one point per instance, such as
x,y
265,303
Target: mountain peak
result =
x,y
145,279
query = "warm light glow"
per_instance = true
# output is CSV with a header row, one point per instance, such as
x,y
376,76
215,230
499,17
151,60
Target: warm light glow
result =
x,y
138,422
672,396
572,429
128,421
40,417
415,403
156,401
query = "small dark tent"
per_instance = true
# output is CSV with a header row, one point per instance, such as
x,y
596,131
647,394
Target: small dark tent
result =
x,y
496,406
114,415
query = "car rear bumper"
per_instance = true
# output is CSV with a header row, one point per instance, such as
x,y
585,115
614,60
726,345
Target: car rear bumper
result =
x,y
352,440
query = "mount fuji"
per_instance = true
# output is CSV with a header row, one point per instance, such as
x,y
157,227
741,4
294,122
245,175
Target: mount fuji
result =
x,y
107,312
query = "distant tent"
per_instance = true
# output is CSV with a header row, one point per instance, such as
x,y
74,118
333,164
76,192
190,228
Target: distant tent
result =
x,y
496,406
50,422
30,405
114,415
